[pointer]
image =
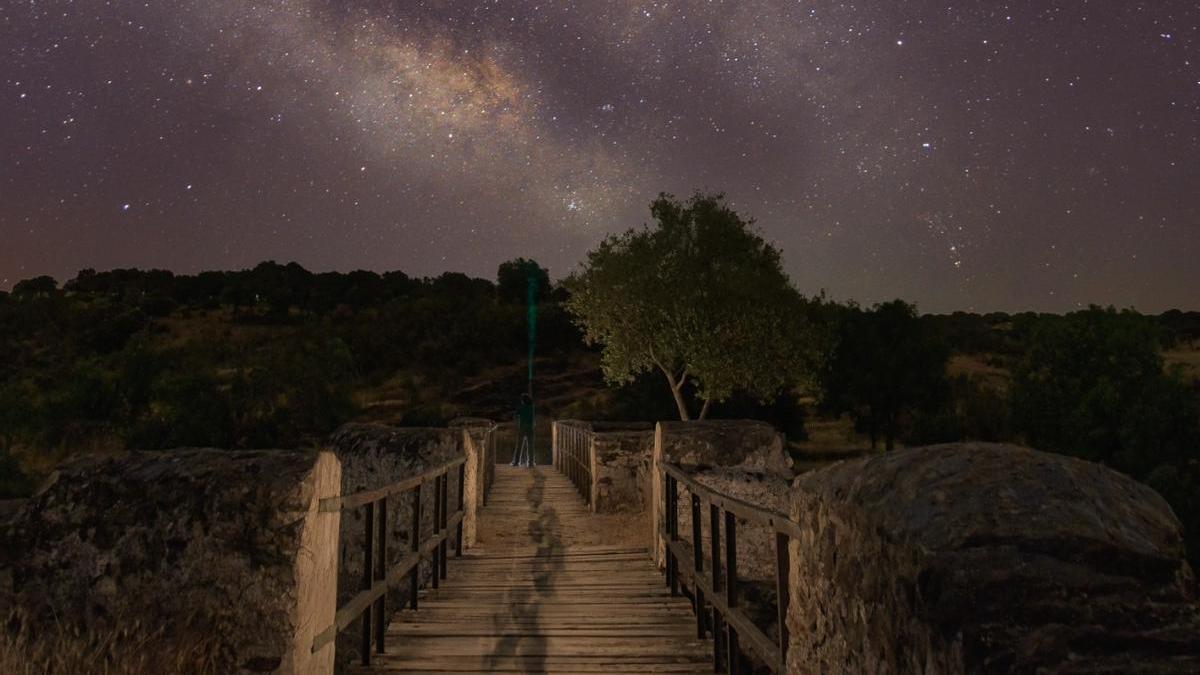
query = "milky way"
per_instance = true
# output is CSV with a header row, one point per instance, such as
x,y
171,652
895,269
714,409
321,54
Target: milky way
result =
x,y
963,155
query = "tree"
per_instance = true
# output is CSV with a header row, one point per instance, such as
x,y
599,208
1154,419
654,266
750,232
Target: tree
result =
x,y
1091,384
887,364
35,287
512,280
700,297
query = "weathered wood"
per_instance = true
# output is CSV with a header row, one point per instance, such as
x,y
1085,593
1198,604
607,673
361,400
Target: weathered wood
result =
x,y
368,579
353,501
541,608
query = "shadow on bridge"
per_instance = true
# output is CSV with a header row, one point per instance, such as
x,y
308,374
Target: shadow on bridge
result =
x,y
523,640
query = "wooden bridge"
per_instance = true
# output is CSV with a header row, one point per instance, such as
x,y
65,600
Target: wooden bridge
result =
x,y
540,602
542,594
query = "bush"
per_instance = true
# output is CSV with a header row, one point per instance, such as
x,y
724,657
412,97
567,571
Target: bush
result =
x,y
1179,484
1091,384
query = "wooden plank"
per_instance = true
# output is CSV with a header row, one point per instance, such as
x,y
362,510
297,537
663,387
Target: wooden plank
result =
x,y
525,608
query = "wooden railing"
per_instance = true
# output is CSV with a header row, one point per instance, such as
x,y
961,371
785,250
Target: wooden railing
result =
x,y
489,465
573,456
369,605
731,628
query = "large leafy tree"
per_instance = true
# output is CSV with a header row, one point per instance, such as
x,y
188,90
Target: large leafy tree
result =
x,y
887,365
699,296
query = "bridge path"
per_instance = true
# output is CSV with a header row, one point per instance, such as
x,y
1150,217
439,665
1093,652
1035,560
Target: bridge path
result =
x,y
532,600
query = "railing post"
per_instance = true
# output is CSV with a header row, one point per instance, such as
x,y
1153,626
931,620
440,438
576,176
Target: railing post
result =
x,y
731,590
445,535
434,565
381,567
368,576
462,482
698,563
414,544
718,632
782,564
593,486
672,497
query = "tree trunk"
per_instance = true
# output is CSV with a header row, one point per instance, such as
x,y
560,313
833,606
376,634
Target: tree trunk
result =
x,y
704,410
677,392
680,403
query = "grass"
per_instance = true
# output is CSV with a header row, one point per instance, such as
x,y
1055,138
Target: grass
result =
x,y
1187,357
829,440
130,649
980,366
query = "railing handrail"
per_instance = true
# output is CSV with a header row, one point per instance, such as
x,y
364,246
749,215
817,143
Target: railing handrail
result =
x,y
378,578
363,497
709,584
573,441
759,515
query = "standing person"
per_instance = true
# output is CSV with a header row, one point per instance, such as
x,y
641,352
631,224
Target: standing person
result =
x,y
524,451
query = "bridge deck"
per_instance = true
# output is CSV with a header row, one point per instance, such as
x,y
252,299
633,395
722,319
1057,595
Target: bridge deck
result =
x,y
534,601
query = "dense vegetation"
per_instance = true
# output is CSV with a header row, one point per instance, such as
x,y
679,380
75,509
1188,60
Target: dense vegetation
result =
x,y
278,356
269,357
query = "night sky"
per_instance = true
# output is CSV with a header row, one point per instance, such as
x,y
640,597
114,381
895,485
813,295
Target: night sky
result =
x,y
964,155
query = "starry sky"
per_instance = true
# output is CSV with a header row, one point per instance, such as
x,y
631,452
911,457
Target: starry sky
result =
x,y
963,155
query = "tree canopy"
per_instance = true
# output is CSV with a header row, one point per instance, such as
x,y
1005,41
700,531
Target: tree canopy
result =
x,y
512,280
886,365
700,297
1092,384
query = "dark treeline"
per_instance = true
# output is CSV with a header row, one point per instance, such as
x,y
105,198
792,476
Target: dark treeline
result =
x,y
1093,384
268,357
278,356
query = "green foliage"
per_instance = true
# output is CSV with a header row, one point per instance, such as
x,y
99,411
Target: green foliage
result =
x,y
699,297
887,365
512,279
1091,384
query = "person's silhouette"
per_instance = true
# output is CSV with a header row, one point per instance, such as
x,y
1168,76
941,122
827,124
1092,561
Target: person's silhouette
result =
x,y
523,454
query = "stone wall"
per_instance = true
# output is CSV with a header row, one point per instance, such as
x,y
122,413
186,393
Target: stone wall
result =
x,y
212,545
620,458
744,459
986,558
741,458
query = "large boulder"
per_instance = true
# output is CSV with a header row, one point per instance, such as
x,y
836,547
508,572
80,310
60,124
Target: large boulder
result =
x,y
161,560
986,558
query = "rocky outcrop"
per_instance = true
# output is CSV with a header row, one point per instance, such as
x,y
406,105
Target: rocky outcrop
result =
x,y
223,548
986,558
